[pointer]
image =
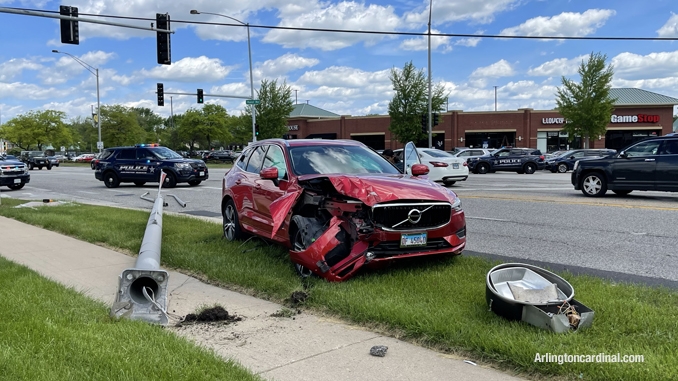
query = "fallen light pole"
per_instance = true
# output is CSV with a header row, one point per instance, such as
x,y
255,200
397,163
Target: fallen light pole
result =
x,y
142,290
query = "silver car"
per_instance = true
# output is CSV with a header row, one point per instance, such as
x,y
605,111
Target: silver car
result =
x,y
470,153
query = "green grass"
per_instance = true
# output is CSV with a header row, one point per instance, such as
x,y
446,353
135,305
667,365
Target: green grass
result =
x,y
50,332
437,302
219,165
74,164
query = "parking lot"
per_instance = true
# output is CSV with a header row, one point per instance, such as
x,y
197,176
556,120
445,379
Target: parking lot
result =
x,y
537,217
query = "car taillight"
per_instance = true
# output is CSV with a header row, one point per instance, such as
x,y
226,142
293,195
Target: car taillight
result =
x,y
438,164
542,157
465,164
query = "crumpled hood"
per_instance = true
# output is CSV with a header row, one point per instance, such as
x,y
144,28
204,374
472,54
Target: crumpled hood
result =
x,y
374,189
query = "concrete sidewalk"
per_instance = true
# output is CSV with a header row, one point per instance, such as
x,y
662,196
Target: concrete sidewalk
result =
x,y
304,348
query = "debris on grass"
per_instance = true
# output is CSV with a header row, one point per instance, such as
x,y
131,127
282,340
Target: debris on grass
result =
x,y
210,315
378,350
470,362
285,313
45,202
298,297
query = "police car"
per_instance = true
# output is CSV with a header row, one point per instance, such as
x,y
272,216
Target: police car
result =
x,y
520,160
144,163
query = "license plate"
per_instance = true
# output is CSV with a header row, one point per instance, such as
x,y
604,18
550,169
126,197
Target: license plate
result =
x,y
416,239
17,181
202,173
455,166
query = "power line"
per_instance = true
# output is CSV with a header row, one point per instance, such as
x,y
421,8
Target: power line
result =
x,y
353,31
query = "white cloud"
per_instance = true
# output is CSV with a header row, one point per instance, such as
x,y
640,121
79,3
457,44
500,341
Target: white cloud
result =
x,y
67,68
18,90
343,76
470,42
14,67
498,69
239,88
564,24
667,83
189,69
80,106
344,15
282,65
670,29
558,67
421,43
652,65
480,11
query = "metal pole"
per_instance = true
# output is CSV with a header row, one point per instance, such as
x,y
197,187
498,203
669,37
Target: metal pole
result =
x,y
171,112
430,121
98,111
254,117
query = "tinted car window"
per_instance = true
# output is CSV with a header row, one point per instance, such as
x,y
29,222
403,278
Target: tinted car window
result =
x,y
465,153
436,153
243,159
127,154
670,147
518,152
644,149
349,159
106,154
143,153
578,154
504,153
478,153
257,157
275,158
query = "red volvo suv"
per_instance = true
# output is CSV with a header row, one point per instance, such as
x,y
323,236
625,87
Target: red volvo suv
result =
x,y
338,205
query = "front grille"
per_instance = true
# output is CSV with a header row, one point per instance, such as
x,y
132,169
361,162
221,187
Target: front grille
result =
x,y
13,170
411,216
387,249
198,165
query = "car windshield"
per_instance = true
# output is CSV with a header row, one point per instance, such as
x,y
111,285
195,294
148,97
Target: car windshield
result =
x,y
496,151
36,154
437,153
165,153
349,159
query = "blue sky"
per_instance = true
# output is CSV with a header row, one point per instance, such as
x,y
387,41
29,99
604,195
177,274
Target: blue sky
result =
x,y
344,73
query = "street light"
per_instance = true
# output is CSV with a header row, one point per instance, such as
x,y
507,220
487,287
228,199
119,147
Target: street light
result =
x,y
249,51
95,72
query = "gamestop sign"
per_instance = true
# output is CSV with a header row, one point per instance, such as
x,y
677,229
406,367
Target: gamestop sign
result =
x,y
640,118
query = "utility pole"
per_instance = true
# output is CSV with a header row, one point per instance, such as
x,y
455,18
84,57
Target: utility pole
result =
x,y
430,119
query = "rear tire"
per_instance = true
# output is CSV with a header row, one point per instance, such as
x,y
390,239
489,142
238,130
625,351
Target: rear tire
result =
x,y
562,168
530,168
231,222
593,185
30,166
49,167
111,180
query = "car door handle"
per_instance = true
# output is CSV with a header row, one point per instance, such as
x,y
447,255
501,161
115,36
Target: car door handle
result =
x,y
649,159
237,182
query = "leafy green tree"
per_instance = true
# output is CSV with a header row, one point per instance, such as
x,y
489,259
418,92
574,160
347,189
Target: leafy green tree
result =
x,y
276,105
150,122
170,136
587,106
188,130
120,127
214,124
85,134
241,128
37,128
410,102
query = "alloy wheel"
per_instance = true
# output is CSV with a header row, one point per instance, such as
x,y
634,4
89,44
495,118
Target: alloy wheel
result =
x,y
229,223
592,185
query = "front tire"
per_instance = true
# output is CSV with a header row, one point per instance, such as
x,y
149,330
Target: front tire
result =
x,y
30,166
562,168
111,180
483,168
16,186
231,222
593,185
170,181
49,167
529,168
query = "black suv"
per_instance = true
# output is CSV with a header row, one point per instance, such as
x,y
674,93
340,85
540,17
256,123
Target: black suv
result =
x,y
649,165
223,156
13,174
520,160
35,159
565,161
144,163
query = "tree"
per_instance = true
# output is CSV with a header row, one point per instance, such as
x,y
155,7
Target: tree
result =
x,y
241,128
273,111
119,126
410,102
214,124
37,128
587,106
188,128
150,122
84,132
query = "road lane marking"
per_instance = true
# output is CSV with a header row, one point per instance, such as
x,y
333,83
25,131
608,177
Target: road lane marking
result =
x,y
113,190
488,219
573,203
87,192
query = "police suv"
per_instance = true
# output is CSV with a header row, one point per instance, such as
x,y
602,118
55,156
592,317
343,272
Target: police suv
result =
x,y
520,160
13,174
144,163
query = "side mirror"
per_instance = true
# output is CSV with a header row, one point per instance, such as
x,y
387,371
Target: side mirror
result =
x,y
419,169
270,173
571,157
623,155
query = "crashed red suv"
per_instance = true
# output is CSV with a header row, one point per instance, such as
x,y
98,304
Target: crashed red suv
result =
x,y
338,205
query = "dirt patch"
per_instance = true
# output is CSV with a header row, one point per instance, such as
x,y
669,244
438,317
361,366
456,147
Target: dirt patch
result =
x,y
298,297
210,315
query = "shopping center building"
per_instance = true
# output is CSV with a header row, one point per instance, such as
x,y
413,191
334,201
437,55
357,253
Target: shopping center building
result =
x,y
637,114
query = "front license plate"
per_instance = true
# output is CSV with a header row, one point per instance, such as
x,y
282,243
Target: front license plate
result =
x,y
17,181
202,173
416,239
455,166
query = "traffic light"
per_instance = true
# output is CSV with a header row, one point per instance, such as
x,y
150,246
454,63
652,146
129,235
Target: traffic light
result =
x,y
424,123
256,130
435,119
161,95
200,98
4,146
69,29
162,21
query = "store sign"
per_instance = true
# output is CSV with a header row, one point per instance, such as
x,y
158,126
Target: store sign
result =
x,y
552,120
293,128
640,118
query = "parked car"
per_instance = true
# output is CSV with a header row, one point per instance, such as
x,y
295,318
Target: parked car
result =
x,y
443,167
35,159
520,160
94,161
144,163
648,165
84,158
470,153
222,156
53,161
338,205
565,161
13,173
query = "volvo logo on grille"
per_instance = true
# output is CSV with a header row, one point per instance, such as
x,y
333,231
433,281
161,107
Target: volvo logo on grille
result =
x,y
414,216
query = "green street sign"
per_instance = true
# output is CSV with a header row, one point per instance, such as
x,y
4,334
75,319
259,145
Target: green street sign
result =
x,y
252,102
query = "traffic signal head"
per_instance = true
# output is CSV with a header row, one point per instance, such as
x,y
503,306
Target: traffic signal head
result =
x,y
162,21
256,129
435,119
424,123
200,98
161,95
69,29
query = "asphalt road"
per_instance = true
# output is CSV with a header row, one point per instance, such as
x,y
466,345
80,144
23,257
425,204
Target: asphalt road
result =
x,y
537,218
